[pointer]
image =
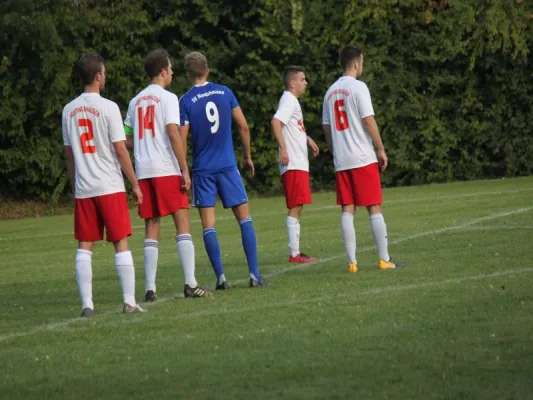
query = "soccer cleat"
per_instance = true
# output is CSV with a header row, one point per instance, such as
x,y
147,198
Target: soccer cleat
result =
x,y
197,291
87,313
150,296
352,267
301,259
132,309
391,264
258,282
224,285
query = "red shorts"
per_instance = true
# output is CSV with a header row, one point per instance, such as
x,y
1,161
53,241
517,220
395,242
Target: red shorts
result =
x,y
92,214
297,188
162,196
359,186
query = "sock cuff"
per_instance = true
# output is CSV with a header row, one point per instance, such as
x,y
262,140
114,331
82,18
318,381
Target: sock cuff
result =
x,y
376,216
151,243
245,220
348,215
292,221
207,231
123,258
83,255
185,237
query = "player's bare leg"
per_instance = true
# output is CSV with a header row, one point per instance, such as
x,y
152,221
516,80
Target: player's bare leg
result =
x,y
293,229
348,235
126,273
249,243
379,231
212,247
84,277
185,248
152,229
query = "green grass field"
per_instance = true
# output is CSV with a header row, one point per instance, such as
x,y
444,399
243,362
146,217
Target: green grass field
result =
x,y
455,324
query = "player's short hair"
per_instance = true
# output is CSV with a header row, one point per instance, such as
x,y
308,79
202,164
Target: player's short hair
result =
x,y
88,66
349,54
289,72
195,64
155,62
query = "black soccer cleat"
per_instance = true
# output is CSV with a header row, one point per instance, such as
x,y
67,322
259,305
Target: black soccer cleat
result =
x,y
150,296
197,291
87,313
258,282
224,285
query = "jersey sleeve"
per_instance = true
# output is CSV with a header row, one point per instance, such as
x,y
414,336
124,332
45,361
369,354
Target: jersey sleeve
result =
x,y
233,100
286,107
114,124
184,112
64,129
128,122
364,102
171,110
325,112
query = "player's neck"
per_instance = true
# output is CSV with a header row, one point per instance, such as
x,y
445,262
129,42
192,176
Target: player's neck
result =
x,y
92,89
199,81
291,91
159,82
350,72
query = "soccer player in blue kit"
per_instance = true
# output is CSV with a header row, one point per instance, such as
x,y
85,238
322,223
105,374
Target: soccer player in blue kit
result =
x,y
206,111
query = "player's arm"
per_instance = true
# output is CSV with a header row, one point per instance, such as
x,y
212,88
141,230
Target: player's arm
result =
x,y
179,149
371,127
278,134
71,168
314,147
326,128
128,130
244,132
184,134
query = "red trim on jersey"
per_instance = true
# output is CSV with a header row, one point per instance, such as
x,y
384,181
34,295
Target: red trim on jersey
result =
x,y
92,214
359,186
297,188
162,196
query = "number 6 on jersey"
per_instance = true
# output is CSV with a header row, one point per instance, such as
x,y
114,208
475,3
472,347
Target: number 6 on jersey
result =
x,y
211,111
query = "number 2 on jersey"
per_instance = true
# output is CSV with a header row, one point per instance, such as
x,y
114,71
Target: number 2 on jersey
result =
x,y
146,120
211,111
341,118
86,137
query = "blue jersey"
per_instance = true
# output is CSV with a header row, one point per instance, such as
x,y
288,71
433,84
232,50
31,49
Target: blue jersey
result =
x,y
207,110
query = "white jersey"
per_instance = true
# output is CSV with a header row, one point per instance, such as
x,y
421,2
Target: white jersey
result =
x,y
90,125
149,113
346,103
290,114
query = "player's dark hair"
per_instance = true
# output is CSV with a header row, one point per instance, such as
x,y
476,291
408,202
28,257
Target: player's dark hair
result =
x,y
349,54
289,72
195,64
88,66
155,62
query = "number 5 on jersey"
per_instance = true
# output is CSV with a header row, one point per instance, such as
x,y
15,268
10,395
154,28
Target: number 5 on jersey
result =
x,y
341,118
146,120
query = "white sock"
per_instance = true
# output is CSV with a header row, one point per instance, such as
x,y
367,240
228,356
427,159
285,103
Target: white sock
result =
x,y
348,235
294,237
151,254
84,277
379,230
126,273
186,253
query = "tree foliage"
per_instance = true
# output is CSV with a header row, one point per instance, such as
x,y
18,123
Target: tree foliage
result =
x,y
451,80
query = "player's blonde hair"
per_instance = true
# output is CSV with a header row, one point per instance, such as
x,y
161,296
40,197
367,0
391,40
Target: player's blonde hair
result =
x,y
195,64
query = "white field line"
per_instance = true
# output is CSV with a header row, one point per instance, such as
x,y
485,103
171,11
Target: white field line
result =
x,y
355,295
307,210
49,327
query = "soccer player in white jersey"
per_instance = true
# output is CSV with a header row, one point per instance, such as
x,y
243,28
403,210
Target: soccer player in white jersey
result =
x,y
95,150
289,130
351,130
160,161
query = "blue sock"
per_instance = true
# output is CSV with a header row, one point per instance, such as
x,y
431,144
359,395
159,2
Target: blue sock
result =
x,y
213,251
250,246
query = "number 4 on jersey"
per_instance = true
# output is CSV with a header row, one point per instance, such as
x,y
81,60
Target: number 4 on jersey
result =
x,y
146,120
341,118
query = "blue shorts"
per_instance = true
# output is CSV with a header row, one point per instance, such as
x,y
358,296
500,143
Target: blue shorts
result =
x,y
227,184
